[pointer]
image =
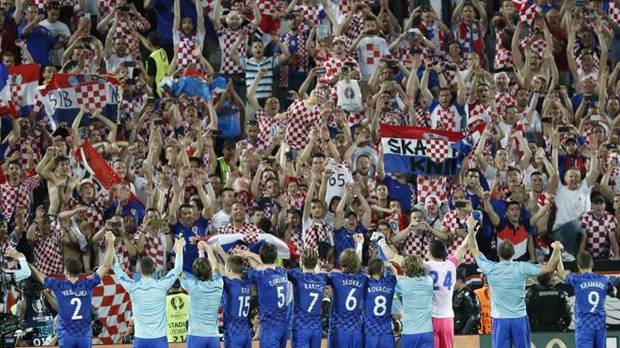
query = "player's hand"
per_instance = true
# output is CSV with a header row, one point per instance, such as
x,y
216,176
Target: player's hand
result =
x,y
557,245
471,222
179,243
110,237
14,254
202,245
359,238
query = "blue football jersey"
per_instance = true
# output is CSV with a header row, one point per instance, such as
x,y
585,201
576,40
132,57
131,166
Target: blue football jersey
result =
x,y
590,293
272,288
378,305
348,294
308,291
236,304
74,304
198,229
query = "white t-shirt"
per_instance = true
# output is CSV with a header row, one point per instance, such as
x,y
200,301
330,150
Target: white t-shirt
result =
x,y
370,50
444,277
220,219
571,204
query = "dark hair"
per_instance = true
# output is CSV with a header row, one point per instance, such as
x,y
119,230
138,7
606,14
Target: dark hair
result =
x,y
197,160
413,265
309,258
236,264
511,203
202,269
506,250
461,273
154,38
545,279
264,225
185,205
584,260
73,266
15,162
61,159
349,261
437,249
375,267
147,266
268,253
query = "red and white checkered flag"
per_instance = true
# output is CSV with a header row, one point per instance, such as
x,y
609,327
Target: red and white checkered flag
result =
x,y
527,11
113,307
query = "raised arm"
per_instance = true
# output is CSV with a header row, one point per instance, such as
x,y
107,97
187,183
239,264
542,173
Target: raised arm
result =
x,y
426,93
551,265
200,16
176,22
108,258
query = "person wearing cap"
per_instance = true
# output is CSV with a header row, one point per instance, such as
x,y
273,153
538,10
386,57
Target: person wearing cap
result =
x,y
339,57
599,231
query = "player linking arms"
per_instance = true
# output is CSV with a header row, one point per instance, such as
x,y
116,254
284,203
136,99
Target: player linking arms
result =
x,y
74,296
148,299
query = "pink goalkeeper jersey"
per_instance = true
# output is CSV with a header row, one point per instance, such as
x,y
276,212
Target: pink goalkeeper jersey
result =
x,y
444,276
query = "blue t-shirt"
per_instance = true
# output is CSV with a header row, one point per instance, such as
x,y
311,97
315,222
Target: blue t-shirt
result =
x,y
198,229
308,290
416,297
204,301
403,193
378,305
272,288
348,294
74,304
590,293
236,304
343,239
39,41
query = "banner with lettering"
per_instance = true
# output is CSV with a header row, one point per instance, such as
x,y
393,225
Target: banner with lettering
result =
x,y
422,151
66,94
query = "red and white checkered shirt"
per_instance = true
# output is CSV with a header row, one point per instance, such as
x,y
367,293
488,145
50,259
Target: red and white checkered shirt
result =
x,y
302,119
317,232
415,244
48,251
227,38
125,28
295,203
270,7
354,29
435,185
185,47
35,144
597,232
332,68
17,196
452,222
268,127
154,246
311,13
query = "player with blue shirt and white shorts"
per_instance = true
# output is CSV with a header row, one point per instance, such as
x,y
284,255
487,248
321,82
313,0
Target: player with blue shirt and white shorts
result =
x,y
591,290
348,287
272,286
148,299
378,299
74,297
415,293
511,326
308,293
204,288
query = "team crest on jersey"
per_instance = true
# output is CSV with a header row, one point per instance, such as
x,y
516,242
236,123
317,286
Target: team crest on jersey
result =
x,y
195,230
133,212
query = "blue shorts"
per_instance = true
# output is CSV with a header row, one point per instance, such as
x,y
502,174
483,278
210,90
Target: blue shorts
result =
x,y
511,332
345,339
202,342
161,342
421,340
591,338
273,337
237,340
75,342
382,341
306,338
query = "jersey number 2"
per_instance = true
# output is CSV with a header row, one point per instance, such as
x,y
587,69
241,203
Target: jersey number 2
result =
x,y
78,304
447,281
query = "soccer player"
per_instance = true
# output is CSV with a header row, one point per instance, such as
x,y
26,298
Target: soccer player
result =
x,y
148,299
271,283
442,268
308,293
205,293
236,300
378,305
507,278
345,323
591,290
415,292
74,296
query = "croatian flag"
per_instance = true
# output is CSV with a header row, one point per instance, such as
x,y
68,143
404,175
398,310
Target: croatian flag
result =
x,y
24,83
66,94
6,106
230,241
422,151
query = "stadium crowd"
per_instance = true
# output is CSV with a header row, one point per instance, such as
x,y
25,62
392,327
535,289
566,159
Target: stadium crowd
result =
x,y
264,122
